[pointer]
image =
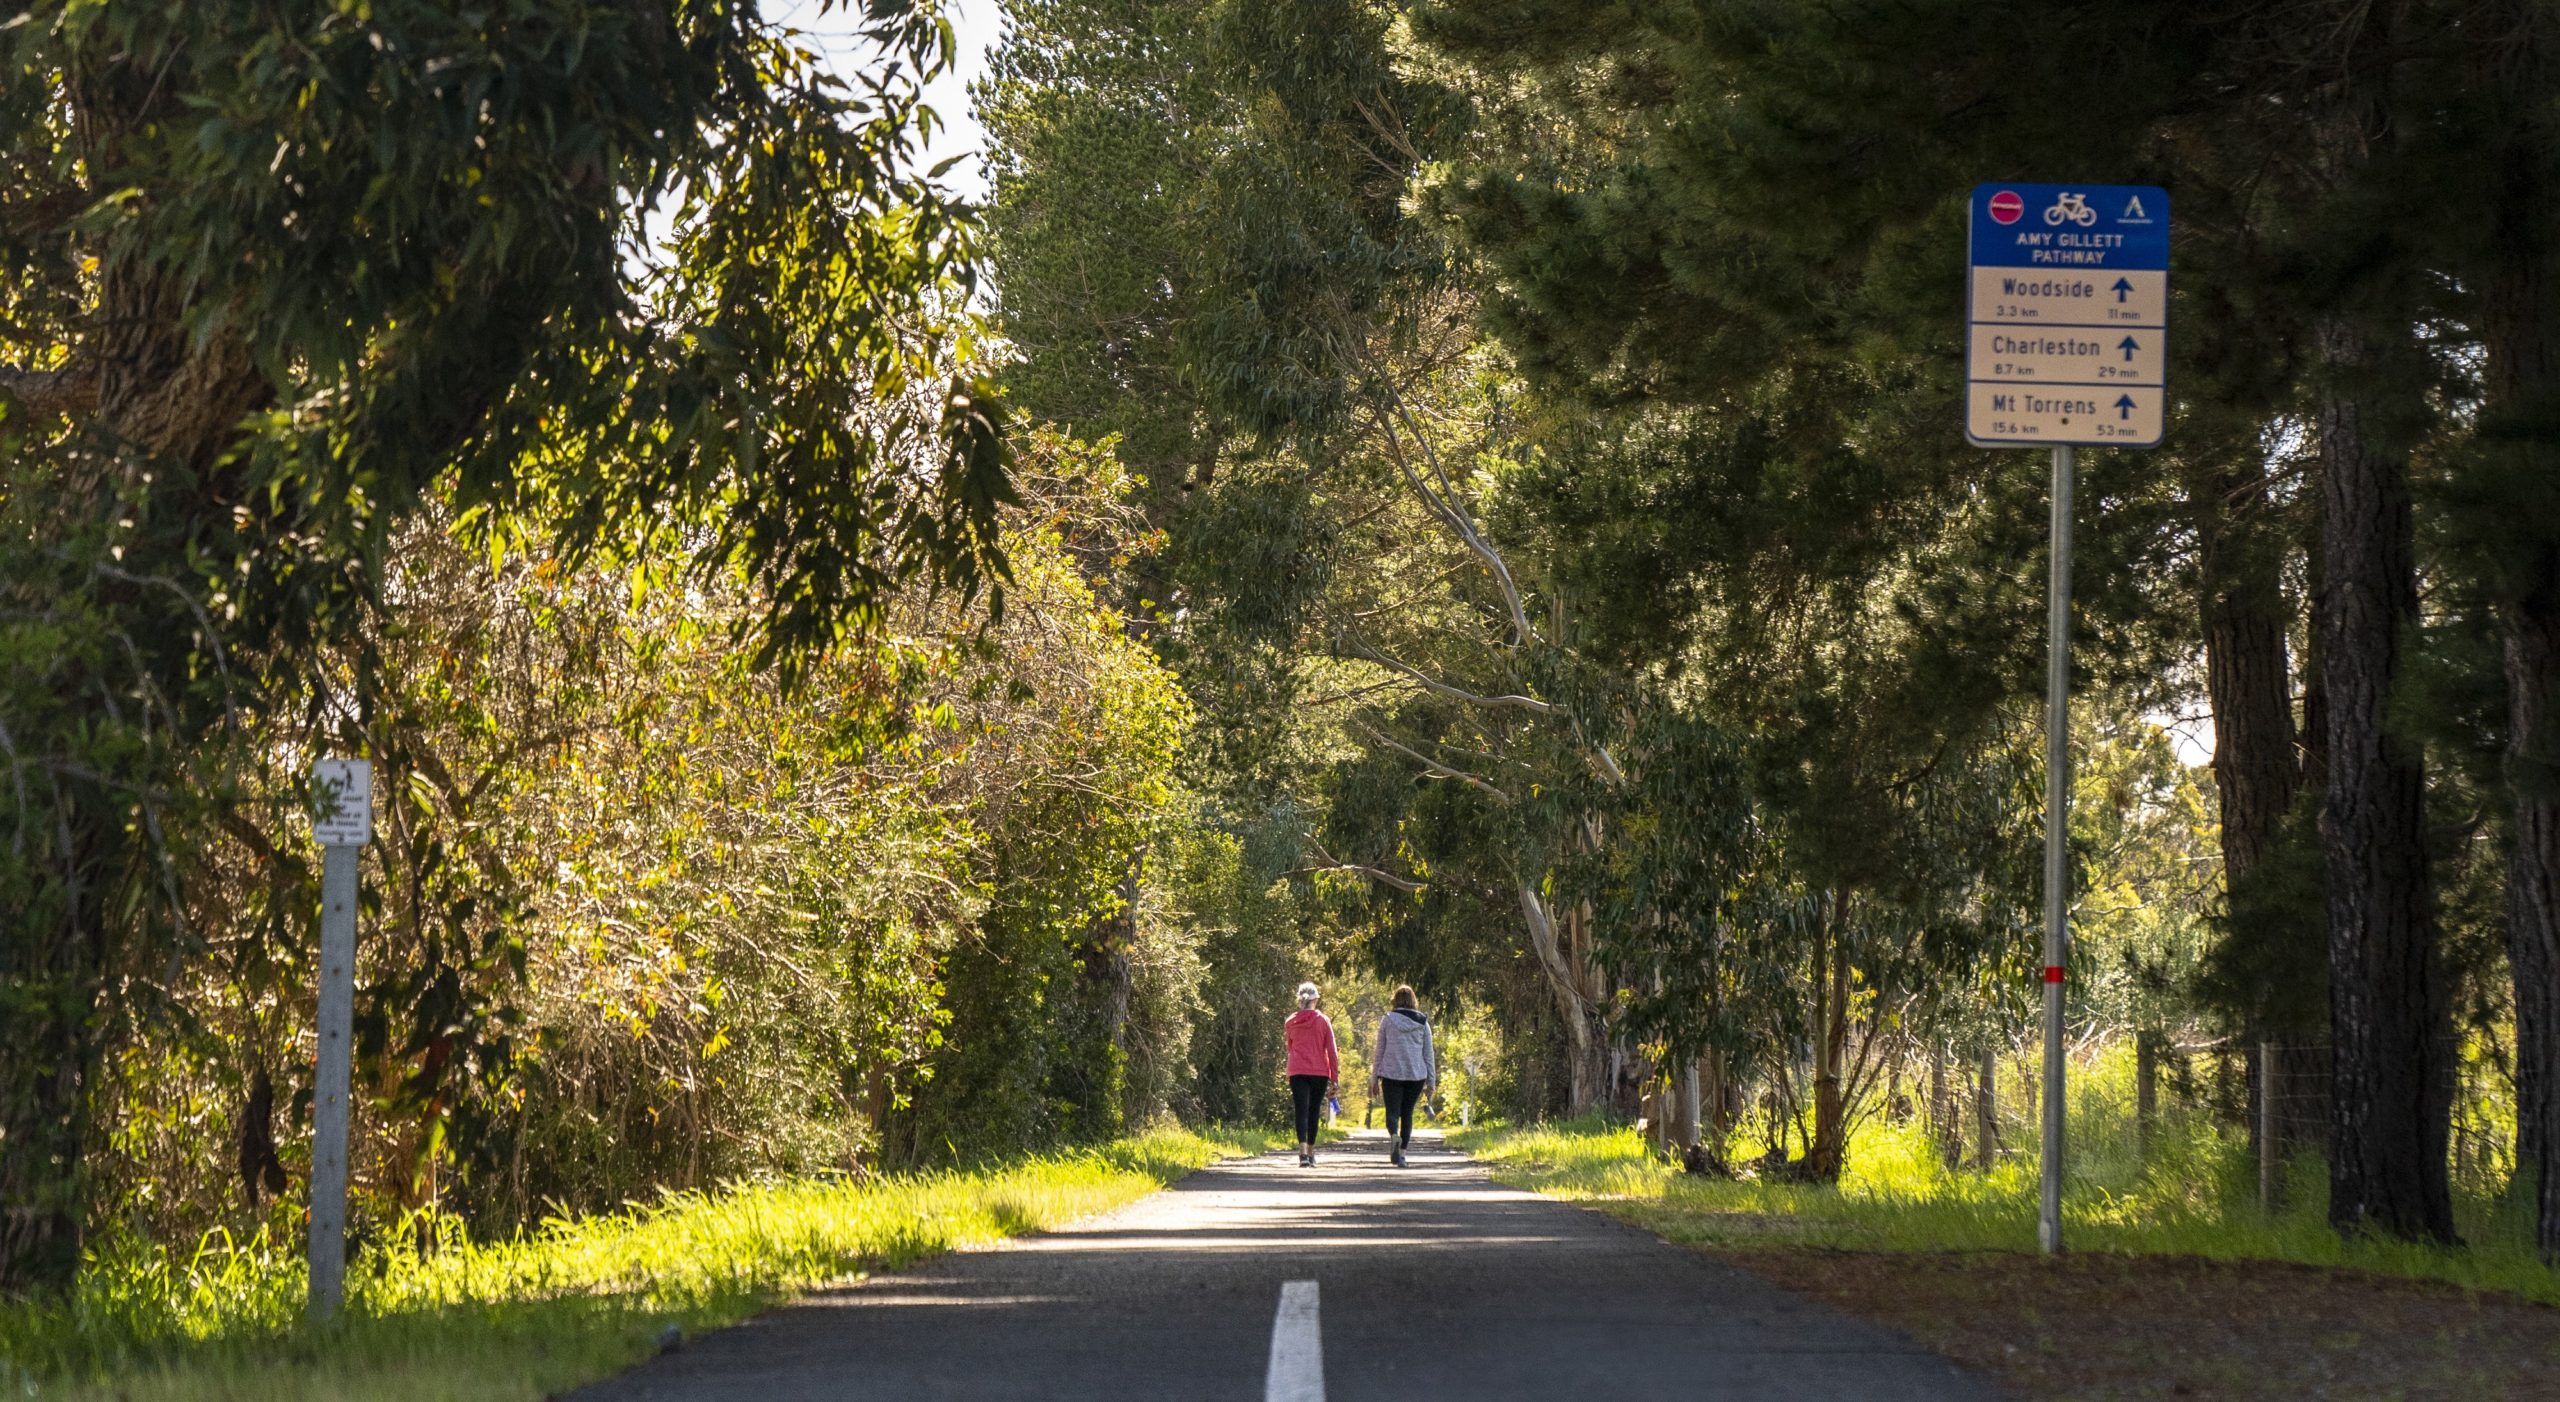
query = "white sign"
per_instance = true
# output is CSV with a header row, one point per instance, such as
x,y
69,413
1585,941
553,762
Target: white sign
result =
x,y
2066,337
342,802
2067,355
2016,295
2107,416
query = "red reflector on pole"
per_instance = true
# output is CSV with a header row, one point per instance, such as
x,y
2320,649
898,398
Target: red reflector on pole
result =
x,y
2053,973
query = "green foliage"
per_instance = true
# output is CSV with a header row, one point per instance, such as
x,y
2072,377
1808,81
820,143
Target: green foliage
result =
x,y
639,917
1202,247
1087,733
290,278
2144,841
1227,889
1099,114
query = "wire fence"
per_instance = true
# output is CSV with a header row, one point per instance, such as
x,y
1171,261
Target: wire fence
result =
x,y
2135,1102
2247,1118
2276,1096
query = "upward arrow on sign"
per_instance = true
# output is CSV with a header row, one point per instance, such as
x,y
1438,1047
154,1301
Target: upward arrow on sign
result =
x,y
2122,289
2129,345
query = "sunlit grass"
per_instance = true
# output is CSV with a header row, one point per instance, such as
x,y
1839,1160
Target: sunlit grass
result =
x,y
2195,1194
530,1317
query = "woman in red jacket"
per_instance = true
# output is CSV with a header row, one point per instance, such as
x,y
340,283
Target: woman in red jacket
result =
x,y
1313,1068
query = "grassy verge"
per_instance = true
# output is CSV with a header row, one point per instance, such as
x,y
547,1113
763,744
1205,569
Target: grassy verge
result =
x,y
2191,1197
530,1317
2177,1284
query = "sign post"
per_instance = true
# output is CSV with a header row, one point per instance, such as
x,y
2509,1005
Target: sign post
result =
x,y
2065,346
342,819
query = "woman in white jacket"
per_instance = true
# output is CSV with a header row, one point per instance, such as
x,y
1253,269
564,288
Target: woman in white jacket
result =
x,y
1402,1063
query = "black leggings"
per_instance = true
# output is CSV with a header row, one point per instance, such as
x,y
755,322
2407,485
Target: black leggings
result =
x,y
1306,1097
1400,1098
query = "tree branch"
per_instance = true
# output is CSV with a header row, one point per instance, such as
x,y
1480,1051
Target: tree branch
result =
x,y
1443,503
1367,654
69,391
1433,765
1333,863
1542,938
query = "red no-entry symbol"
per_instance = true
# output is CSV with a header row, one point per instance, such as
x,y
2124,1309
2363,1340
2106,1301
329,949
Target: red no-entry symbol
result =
x,y
2006,207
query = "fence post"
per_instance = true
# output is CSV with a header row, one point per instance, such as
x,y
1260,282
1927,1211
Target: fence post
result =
x,y
2270,1153
342,819
2146,1088
1942,1111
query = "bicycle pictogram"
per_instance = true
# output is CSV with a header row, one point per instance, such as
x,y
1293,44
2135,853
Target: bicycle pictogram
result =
x,y
2072,206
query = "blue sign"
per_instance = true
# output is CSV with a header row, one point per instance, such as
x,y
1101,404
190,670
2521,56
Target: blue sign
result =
x,y
2066,319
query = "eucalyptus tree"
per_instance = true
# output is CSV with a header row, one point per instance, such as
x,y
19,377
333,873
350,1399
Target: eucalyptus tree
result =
x,y
1880,861
1203,248
280,274
1249,240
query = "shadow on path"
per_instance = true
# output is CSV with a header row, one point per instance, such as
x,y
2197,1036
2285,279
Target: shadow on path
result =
x,y
1435,1283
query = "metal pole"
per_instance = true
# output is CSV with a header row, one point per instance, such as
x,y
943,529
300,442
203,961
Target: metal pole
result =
x,y
2057,823
329,1084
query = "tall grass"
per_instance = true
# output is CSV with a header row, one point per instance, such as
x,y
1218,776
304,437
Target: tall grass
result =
x,y
2193,1193
528,1317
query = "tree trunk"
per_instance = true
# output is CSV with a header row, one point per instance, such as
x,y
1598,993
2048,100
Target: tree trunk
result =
x,y
1586,1090
1685,1108
1986,1110
173,401
2258,774
1718,1103
2389,1009
2257,766
1829,1152
2520,428
2520,436
1568,979
1594,1075
2533,934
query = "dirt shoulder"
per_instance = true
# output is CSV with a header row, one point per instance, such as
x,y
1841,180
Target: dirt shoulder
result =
x,y
2095,1326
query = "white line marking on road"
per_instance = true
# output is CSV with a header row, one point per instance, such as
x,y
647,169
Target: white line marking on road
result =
x,y
1297,1347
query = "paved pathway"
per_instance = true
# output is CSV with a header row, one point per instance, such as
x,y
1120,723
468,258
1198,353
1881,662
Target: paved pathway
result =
x,y
1427,1283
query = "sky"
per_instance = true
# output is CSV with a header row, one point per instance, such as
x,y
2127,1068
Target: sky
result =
x,y
976,23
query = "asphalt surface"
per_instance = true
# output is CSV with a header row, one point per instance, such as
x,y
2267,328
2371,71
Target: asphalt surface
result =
x,y
1431,1282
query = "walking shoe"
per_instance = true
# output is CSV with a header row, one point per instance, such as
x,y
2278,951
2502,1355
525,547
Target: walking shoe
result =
x,y
1306,1160
1399,1156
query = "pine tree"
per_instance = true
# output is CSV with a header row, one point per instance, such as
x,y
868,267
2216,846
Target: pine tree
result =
x,y
1746,188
